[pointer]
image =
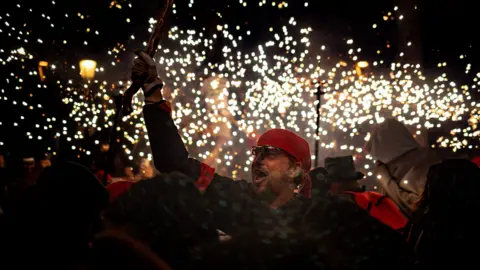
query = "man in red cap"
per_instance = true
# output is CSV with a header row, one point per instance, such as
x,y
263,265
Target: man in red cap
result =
x,y
281,165
282,158
271,220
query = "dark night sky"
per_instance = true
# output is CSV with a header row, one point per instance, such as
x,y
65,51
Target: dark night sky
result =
x,y
446,26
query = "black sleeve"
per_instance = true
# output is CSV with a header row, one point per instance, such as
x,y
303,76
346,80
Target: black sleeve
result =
x,y
169,152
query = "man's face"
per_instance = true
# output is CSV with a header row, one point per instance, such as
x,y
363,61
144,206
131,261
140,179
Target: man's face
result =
x,y
272,171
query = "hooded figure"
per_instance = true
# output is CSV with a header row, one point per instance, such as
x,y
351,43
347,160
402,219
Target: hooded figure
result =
x,y
402,163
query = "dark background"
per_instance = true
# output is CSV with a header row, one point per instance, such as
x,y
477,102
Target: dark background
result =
x,y
446,28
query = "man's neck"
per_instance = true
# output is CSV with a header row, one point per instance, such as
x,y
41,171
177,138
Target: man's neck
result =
x,y
282,199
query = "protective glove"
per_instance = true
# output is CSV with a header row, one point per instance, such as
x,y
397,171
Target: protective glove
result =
x,y
144,72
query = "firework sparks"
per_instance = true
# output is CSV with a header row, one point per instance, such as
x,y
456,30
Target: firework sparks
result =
x,y
222,106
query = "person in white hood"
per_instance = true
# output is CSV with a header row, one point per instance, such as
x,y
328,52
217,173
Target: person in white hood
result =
x,y
402,163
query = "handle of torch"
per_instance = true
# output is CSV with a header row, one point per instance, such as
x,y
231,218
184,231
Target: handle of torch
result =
x,y
127,108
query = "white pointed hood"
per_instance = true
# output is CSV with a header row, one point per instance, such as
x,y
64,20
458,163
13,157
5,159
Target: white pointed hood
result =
x,y
389,140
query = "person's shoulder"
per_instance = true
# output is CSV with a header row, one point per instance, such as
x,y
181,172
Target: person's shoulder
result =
x,y
160,192
426,157
117,188
168,180
229,187
120,183
163,185
343,218
224,180
339,211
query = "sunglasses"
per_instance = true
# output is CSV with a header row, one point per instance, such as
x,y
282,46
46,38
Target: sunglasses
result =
x,y
263,151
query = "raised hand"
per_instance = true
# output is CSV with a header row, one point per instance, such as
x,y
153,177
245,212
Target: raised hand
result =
x,y
144,75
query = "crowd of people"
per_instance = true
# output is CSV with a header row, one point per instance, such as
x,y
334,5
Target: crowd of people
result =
x,y
289,216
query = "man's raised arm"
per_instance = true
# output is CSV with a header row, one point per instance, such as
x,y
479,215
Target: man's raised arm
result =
x,y
168,150
170,154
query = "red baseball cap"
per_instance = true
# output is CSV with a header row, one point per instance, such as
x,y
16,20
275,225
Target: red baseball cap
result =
x,y
289,142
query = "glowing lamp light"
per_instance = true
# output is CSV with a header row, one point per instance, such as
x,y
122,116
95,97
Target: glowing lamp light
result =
x,y
41,65
87,69
359,66
362,64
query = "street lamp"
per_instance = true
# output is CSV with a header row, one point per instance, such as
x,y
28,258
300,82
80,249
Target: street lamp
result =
x,y
41,65
362,64
359,66
87,69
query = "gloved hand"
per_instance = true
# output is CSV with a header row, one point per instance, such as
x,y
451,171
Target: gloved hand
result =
x,y
144,72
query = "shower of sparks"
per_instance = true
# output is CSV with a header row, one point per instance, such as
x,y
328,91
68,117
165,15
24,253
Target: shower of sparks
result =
x,y
221,107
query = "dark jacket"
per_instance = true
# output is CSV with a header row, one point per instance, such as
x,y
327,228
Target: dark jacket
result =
x,y
444,229
319,233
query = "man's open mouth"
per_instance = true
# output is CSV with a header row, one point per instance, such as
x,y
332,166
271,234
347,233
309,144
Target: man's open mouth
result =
x,y
259,177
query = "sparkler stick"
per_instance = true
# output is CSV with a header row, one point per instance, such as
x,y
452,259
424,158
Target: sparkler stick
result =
x,y
124,103
150,50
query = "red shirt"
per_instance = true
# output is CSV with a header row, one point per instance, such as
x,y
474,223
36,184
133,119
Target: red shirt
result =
x,y
118,188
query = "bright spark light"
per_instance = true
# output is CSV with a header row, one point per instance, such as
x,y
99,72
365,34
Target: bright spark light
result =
x,y
222,106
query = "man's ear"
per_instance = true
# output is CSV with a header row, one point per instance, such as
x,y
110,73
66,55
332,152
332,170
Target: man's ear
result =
x,y
295,171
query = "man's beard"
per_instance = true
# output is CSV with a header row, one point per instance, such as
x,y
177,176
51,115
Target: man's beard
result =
x,y
264,182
